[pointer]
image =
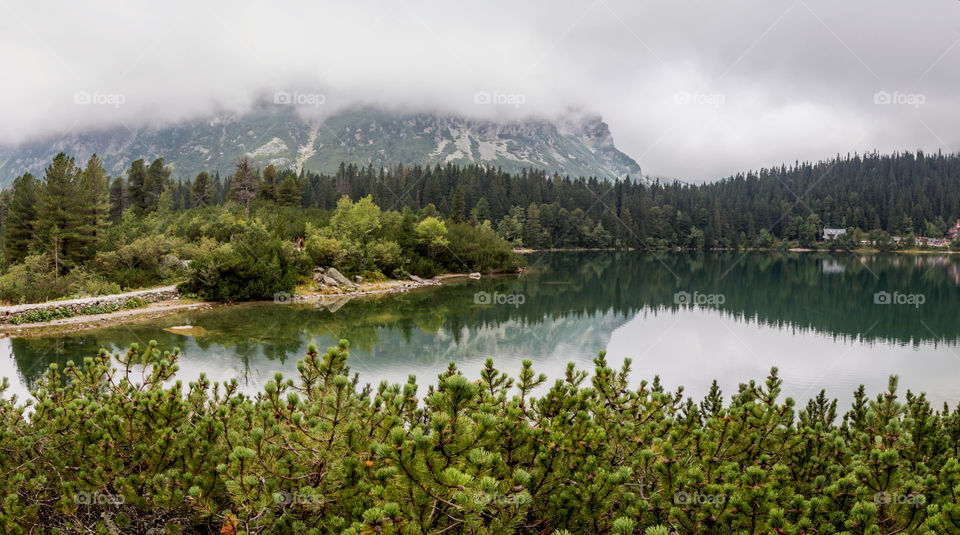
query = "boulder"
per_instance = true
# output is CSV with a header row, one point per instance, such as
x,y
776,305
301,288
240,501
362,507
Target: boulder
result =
x,y
359,279
329,281
337,276
416,279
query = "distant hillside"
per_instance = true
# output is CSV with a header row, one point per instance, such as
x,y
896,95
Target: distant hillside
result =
x,y
577,145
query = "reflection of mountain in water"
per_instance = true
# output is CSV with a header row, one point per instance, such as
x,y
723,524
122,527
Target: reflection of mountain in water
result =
x,y
563,336
572,304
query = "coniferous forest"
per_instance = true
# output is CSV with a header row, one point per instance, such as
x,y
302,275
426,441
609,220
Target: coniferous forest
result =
x,y
78,231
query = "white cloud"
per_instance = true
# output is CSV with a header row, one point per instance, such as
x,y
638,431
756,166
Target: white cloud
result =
x,y
768,81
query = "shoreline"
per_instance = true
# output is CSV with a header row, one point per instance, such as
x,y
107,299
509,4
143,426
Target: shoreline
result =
x,y
380,288
159,309
939,250
93,321
166,307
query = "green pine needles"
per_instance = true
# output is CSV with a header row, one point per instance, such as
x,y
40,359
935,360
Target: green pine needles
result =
x,y
117,445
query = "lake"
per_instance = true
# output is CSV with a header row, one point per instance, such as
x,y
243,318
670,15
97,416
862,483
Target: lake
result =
x,y
828,321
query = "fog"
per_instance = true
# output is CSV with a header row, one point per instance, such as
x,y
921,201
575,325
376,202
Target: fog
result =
x,y
694,90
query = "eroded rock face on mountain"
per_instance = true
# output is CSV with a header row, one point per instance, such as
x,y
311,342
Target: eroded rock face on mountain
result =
x,y
575,144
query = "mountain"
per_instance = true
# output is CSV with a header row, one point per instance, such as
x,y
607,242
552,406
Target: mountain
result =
x,y
576,144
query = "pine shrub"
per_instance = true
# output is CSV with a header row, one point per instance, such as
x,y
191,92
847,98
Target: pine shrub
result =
x,y
117,445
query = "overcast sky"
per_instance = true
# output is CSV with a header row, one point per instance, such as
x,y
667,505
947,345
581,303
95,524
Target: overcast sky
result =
x,y
691,89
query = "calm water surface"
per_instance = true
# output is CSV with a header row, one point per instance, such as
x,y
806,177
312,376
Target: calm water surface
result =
x,y
690,318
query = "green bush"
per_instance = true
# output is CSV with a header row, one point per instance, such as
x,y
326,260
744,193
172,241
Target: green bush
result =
x,y
478,249
254,265
385,255
423,267
42,315
144,262
135,302
319,454
373,276
31,281
324,250
37,316
35,281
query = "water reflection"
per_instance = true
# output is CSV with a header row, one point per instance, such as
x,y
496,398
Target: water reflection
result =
x,y
815,316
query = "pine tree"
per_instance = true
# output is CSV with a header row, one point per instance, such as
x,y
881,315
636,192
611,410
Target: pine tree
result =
x,y
480,212
243,185
137,186
217,189
628,228
158,179
61,220
21,219
290,192
532,232
202,190
268,187
117,199
458,207
94,194
5,197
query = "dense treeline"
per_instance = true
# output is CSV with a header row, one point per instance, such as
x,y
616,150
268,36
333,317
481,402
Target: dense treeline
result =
x,y
128,450
900,194
75,231
62,223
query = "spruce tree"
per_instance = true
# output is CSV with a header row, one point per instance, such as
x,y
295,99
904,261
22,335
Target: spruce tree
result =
x,y
117,199
5,197
21,219
290,192
268,187
61,220
137,186
480,212
243,184
533,235
217,189
202,190
94,209
458,207
158,179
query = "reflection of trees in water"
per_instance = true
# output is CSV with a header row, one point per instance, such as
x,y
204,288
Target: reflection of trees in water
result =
x,y
568,298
